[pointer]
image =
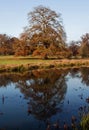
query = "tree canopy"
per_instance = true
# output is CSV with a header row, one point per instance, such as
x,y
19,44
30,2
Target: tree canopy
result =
x,y
45,27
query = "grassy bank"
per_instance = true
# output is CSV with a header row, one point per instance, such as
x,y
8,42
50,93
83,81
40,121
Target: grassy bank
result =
x,y
15,64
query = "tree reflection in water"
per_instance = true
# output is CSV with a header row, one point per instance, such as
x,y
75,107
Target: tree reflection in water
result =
x,y
85,75
82,73
44,90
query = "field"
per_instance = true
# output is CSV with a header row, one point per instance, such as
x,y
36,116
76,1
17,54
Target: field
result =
x,y
11,60
11,63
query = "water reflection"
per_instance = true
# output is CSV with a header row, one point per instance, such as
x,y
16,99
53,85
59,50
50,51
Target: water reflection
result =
x,y
82,73
85,75
39,96
45,94
44,89
3,99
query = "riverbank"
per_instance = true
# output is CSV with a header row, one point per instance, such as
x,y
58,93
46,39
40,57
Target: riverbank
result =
x,y
20,64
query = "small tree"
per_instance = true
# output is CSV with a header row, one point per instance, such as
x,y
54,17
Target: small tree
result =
x,y
5,45
84,49
74,47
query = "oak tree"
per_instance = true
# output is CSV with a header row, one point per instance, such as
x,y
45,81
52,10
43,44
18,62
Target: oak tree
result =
x,y
45,28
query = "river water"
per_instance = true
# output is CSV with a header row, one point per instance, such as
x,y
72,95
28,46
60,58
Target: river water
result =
x,y
42,99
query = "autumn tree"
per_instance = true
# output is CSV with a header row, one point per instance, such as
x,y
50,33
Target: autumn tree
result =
x,y
45,28
74,47
20,47
5,45
84,49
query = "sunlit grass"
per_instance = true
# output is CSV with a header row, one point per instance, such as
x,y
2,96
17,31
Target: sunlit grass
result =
x,y
11,63
11,60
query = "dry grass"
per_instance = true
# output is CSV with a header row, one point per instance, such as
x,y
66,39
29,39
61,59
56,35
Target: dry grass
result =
x,y
10,63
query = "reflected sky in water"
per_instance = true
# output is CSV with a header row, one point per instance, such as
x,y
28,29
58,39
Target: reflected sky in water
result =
x,y
34,99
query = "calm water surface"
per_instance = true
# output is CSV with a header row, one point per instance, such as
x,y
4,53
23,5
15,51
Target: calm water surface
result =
x,y
33,100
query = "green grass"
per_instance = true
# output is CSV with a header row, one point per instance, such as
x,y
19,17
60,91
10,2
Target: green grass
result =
x,y
19,64
10,60
16,61
12,63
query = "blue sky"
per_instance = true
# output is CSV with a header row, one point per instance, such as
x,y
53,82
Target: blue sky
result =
x,y
75,15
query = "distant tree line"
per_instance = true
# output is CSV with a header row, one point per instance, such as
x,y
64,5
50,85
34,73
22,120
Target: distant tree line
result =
x,y
45,37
